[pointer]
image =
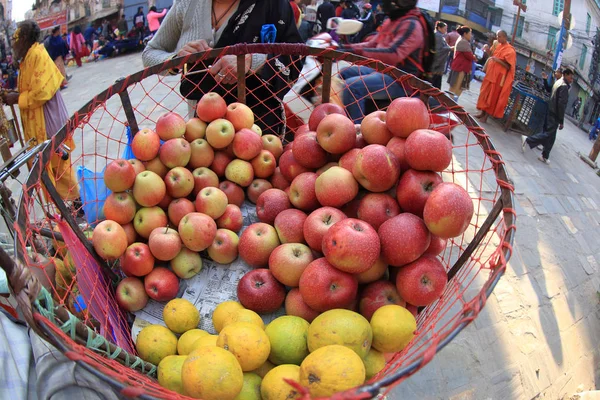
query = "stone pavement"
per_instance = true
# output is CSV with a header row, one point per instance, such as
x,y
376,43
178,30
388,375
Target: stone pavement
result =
x,y
537,335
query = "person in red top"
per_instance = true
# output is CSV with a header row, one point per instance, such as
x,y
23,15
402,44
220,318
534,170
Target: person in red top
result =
x,y
339,9
462,64
296,10
400,43
451,38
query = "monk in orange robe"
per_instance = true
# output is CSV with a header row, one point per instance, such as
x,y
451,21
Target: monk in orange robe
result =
x,y
499,76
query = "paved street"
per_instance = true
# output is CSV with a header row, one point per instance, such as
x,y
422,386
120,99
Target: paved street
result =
x,y
537,336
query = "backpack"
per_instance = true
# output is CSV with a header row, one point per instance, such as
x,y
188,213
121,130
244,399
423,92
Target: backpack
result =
x,y
428,25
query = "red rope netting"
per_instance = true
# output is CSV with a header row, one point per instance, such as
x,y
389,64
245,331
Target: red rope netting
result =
x,y
475,260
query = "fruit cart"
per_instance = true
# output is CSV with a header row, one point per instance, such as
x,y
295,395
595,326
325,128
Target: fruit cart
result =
x,y
75,307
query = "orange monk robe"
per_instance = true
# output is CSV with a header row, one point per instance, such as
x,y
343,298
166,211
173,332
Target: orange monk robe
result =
x,y
497,84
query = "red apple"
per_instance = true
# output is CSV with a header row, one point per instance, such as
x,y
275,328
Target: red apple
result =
x,y
130,232
336,134
448,210
131,295
235,194
376,208
360,142
320,112
137,165
307,151
179,182
377,271
376,168
422,282
149,189
220,163
351,245
175,153
246,144
256,244
240,172
318,223
323,287
145,145
336,187
120,207
170,126
164,203
289,167
374,129
178,209
219,133
259,291
295,305
302,129
273,144
224,248
202,154
211,106
278,180
197,231
270,204
211,201
302,191
436,246
109,240
148,218
119,175
256,188
349,159
405,115
376,295
404,238
351,208
161,284
288,261
203,178
195,128
396,146
289,226
156,166
164,243
427,150
137,260
240,115
186,264
231,219
414,189
264,164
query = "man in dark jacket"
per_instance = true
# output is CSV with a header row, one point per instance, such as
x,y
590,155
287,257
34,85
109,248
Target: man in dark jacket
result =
x,y
351,11
555,118
324,12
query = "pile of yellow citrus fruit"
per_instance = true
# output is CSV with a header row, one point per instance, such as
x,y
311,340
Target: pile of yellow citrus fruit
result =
x,y
247,360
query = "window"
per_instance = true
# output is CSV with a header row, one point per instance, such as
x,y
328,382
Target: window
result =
x,y
588,23
558,7
583,56
551,43
497,17
455,3
519,26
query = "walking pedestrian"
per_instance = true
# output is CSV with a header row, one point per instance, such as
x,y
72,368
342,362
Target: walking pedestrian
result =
x,y
57,49
442,51
451,38
78,46
122,26
325,11
139,23
154,19
462,64
575,110
595,130
555,117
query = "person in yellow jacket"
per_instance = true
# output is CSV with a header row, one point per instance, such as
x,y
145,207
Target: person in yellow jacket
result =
x,y
39,96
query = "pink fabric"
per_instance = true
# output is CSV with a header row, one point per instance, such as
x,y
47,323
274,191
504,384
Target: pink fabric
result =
x,y
153,19
77,42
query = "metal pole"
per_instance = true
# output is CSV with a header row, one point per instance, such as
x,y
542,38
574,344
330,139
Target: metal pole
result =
x,y
566,22
516,23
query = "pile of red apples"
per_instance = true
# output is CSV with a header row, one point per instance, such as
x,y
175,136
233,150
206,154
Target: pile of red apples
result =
x,y
352,216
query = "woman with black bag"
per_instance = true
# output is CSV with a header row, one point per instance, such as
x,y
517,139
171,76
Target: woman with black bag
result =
x,y
194,26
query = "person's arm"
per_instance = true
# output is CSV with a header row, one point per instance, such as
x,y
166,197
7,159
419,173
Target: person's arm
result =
x,y
501,62
163,45
162,13
409,37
